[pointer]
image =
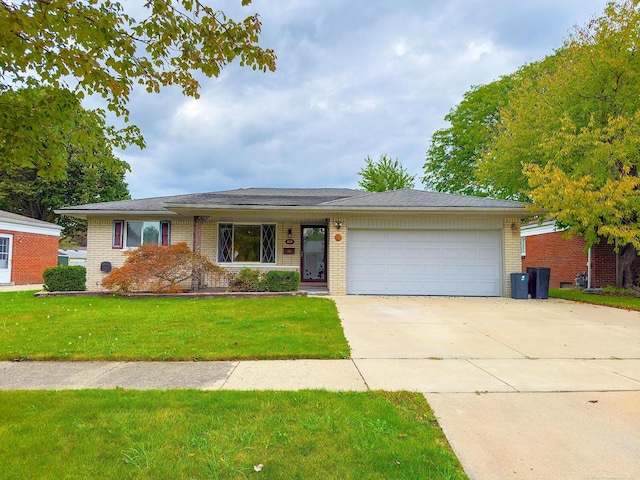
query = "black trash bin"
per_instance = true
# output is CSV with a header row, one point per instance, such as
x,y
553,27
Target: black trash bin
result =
x,y
520,286
539,282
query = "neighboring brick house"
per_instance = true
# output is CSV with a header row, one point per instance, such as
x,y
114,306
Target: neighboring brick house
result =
x,y
545,246
27,248
404,242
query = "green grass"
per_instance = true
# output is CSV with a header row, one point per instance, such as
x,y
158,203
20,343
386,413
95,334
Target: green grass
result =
x,y
629,303
113,328
221,435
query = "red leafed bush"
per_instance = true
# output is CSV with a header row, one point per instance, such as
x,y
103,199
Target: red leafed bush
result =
x,y
159,269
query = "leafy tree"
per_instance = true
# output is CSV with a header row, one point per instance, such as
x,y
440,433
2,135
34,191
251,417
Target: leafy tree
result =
x,y
575,133
94,47
454,151
92,173
159,269
384,174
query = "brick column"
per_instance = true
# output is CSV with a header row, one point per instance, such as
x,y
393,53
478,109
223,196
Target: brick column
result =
x,y
337,279
511,249
196,279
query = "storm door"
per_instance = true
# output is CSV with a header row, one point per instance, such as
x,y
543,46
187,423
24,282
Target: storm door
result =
x,y
5,258
313,267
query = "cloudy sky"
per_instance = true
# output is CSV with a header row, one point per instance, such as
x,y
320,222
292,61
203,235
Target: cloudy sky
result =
x,y
354,78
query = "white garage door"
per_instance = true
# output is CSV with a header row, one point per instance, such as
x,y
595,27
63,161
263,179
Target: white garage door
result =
x,y
404,262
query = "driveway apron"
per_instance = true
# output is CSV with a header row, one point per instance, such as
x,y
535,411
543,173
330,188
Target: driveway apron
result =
x,y
523,389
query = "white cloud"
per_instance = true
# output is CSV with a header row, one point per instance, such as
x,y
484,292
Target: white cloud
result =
x,y
354,78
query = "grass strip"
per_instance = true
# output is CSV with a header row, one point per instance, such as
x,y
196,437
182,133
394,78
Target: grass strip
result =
x,y
628,303
222,435
114,328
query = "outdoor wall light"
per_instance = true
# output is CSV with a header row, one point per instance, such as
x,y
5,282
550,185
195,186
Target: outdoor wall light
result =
x,y
514,228
338,225
289,234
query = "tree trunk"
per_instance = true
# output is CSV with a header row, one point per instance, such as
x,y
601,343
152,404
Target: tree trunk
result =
x,y
625,257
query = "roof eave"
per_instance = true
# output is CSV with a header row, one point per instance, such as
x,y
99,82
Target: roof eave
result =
x,y
84,213
27,223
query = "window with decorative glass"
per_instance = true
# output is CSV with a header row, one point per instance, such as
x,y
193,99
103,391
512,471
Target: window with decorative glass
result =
x,y
246,243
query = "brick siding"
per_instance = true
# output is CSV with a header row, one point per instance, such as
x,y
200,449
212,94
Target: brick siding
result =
x,y
337,278
603,266
32,254
567,257
511,249
100,231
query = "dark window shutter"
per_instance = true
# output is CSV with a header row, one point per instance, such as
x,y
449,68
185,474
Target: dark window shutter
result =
x,y
165,233
118,233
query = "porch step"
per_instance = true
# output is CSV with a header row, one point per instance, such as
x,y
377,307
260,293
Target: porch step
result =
x,y
311,291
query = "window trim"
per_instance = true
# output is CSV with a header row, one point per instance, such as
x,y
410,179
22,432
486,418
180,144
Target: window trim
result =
x,y
165,237
117,239
119,235
523,246
246,263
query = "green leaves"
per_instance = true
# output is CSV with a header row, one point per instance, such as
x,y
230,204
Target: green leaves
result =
x,y
573,129
384,174
95,48
455,151
49,132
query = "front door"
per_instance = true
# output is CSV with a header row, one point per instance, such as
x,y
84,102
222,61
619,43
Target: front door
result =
x,y
6,243
313,266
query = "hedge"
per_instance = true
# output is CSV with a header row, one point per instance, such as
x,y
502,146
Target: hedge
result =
x,y
281,281
65,278
253,280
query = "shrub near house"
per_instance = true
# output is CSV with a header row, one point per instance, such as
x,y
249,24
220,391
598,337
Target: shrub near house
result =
x,y
159,269
65,278
253,280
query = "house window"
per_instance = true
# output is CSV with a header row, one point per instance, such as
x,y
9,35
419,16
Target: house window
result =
x,y
523,246
133,234
243,243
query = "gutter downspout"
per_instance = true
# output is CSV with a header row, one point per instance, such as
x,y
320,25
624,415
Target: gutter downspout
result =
x,y
589,269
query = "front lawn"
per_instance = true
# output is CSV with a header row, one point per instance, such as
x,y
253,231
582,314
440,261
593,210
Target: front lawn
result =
x,y
221,435
629,303
114,328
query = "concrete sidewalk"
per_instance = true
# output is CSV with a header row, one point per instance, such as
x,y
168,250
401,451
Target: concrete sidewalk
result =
x,y
418,375
334,375
21,288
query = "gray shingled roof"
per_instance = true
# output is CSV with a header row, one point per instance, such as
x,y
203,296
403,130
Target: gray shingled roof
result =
x,y
422,199
153,204
242,196
292,197
339,198
22,220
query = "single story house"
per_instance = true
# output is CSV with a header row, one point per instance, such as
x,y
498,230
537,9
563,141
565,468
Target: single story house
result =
x,y
27,248
403,242
544,245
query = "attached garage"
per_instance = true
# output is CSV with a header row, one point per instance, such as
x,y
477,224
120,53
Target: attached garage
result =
x,y
425,262
401,242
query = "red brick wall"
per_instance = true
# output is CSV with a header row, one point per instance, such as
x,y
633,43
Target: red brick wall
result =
x,y
565,257
32,253
603,264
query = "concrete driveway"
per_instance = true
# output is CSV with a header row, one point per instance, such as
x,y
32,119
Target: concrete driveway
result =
x,y
523,389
